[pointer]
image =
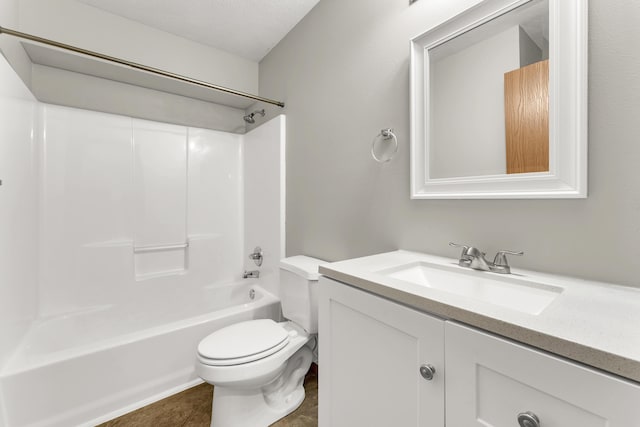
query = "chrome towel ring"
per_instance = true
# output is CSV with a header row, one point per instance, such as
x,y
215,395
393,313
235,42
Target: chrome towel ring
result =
x,y
384,146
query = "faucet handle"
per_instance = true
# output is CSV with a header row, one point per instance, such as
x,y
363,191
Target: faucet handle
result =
x,y
257,256
464,260
501,261
458,245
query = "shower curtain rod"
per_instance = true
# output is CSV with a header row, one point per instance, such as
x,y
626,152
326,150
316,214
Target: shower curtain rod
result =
x,y
4,30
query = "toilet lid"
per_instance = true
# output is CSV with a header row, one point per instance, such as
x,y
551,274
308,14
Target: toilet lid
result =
x,y
243,342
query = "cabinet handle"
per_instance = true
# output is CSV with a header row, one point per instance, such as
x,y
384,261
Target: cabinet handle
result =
x,y
528,419
427,371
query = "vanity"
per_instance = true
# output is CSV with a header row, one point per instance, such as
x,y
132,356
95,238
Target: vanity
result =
x,y
410,339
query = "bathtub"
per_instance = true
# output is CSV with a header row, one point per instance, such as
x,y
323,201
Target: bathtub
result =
x,y
89,366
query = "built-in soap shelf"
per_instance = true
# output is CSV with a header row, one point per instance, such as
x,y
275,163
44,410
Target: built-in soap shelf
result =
x,y
173,259
158,248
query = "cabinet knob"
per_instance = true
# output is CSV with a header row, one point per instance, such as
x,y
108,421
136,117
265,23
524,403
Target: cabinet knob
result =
x,y
528,419
427,371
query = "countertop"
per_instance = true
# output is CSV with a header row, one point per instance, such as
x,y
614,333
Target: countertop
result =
x,y
594,323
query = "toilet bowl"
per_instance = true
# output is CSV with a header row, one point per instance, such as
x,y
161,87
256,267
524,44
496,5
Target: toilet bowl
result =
x,y
259,383
257,367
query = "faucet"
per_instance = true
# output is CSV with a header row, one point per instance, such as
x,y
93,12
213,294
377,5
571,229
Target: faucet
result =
x,y
474,258
257,256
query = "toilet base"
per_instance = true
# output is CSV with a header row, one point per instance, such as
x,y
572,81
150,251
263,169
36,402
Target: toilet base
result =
x,y
234,407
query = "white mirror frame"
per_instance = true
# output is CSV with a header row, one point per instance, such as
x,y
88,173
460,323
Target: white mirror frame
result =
x,y
567,176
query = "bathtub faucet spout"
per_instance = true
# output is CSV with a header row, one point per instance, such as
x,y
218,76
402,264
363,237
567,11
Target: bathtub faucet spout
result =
x,y
253,274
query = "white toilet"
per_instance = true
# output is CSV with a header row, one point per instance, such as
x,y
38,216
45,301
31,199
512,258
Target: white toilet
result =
x,y
257,367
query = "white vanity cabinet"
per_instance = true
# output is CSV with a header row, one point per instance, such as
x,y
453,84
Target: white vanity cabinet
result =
x,y
491,381
371,353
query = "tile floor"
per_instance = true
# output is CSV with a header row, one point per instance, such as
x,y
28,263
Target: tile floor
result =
x,y
192,408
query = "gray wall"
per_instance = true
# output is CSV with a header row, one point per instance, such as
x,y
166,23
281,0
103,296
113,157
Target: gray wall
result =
x,y
465,87
344,74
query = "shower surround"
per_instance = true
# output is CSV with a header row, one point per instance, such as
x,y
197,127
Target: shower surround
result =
x,y
125,247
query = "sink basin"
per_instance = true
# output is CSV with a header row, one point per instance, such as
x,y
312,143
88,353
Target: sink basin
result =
x,y
505,291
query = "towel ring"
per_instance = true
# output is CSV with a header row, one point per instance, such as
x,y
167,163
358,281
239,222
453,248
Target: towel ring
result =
x,y
381,146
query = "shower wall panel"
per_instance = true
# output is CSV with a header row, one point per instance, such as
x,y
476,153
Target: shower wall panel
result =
x,y
111,184
18,207
160,199
215,219
86,208
264,198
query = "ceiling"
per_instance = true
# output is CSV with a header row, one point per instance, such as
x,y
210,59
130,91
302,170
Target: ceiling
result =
x,y
247,28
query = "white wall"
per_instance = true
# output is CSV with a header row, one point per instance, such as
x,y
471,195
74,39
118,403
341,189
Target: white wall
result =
x,y
104,190
342,86
111,183
72,22
9,12
18,208
75,23
95,185
160,198
61,87
10,48
264,199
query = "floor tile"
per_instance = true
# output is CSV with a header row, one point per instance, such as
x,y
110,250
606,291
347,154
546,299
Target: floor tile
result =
x,y
192,408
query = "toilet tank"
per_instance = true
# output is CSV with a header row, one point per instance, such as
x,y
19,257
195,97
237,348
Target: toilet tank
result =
x,y
299,290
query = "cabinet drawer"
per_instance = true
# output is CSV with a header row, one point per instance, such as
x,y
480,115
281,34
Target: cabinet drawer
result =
x,y
490,381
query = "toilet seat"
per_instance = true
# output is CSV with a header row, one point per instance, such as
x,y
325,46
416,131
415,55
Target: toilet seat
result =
x,y
243,342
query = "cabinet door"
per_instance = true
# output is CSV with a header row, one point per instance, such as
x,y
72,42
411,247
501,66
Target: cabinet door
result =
x,y
371,351
490,381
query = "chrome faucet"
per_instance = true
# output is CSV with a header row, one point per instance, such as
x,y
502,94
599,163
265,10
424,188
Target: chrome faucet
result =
x,y
474,258
257,256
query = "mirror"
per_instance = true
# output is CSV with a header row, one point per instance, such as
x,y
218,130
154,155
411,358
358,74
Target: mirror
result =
x,y
498,100
494,77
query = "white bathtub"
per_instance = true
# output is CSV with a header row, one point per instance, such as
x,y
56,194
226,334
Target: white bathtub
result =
x,y
90,366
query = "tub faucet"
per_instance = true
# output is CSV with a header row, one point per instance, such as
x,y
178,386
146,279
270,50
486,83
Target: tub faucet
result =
x,y
253,274
474,258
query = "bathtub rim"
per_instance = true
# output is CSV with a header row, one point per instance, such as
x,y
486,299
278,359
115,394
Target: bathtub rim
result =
x,y
14,367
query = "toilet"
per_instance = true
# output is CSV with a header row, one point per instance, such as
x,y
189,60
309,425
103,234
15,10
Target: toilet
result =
x,y
257,367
